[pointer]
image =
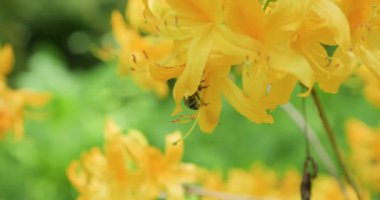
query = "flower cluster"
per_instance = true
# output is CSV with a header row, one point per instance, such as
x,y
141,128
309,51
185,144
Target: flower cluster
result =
x,y
276,44
13,102
365,153
263,183
129,168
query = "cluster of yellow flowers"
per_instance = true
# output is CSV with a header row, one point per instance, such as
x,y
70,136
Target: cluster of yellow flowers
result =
x,y
275,44
129,168
365,153
13,102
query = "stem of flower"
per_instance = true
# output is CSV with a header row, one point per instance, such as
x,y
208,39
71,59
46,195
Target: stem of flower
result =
x,y
334,144
297,117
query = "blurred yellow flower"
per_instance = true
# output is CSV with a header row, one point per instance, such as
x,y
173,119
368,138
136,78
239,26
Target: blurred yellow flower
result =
x,y
326,187
371,85
365,153
13,102
136,52
258,182
131,169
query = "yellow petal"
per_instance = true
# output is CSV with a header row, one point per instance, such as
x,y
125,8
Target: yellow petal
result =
x,y
164,73
6,59
359,134
245,17
241,103
255,80
198,53
175,191
209,114
280,92
289,61
174,149
357,12
196,10
76,177
111,130
370,60
288,15
35,98
335,20
137,144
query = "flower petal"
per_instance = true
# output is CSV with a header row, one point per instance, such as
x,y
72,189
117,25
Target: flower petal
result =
x,y
335,20
280,92
370,59
255,80
209,114
241,103
245,17
174,149
197,56
6,59
287,60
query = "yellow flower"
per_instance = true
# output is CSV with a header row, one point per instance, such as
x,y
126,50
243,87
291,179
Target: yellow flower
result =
x,y
326,187
271,68
371,86
325,24
131,169
258,182
365,153
105,176
136,52
202,53
14,102
364,20
160,171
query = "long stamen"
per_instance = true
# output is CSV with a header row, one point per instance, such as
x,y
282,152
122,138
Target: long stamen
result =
x,y
188,132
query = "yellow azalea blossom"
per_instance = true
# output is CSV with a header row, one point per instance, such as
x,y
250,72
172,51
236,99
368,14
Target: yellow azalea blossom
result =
x,y
365,153
135,53
271,68
13,102
257,182
105,176
161,171
326,187
203,44
260,182
131,169
371,86
325,24
364,20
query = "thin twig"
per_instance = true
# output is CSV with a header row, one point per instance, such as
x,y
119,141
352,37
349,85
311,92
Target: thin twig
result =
x,y
297,117
334,144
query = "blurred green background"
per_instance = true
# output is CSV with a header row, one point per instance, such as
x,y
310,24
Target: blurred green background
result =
x,y
53,41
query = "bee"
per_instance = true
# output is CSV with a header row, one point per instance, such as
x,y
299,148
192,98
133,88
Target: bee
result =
x,y
194,101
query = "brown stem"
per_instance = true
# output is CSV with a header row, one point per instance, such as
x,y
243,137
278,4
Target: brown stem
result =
x,y
334,144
